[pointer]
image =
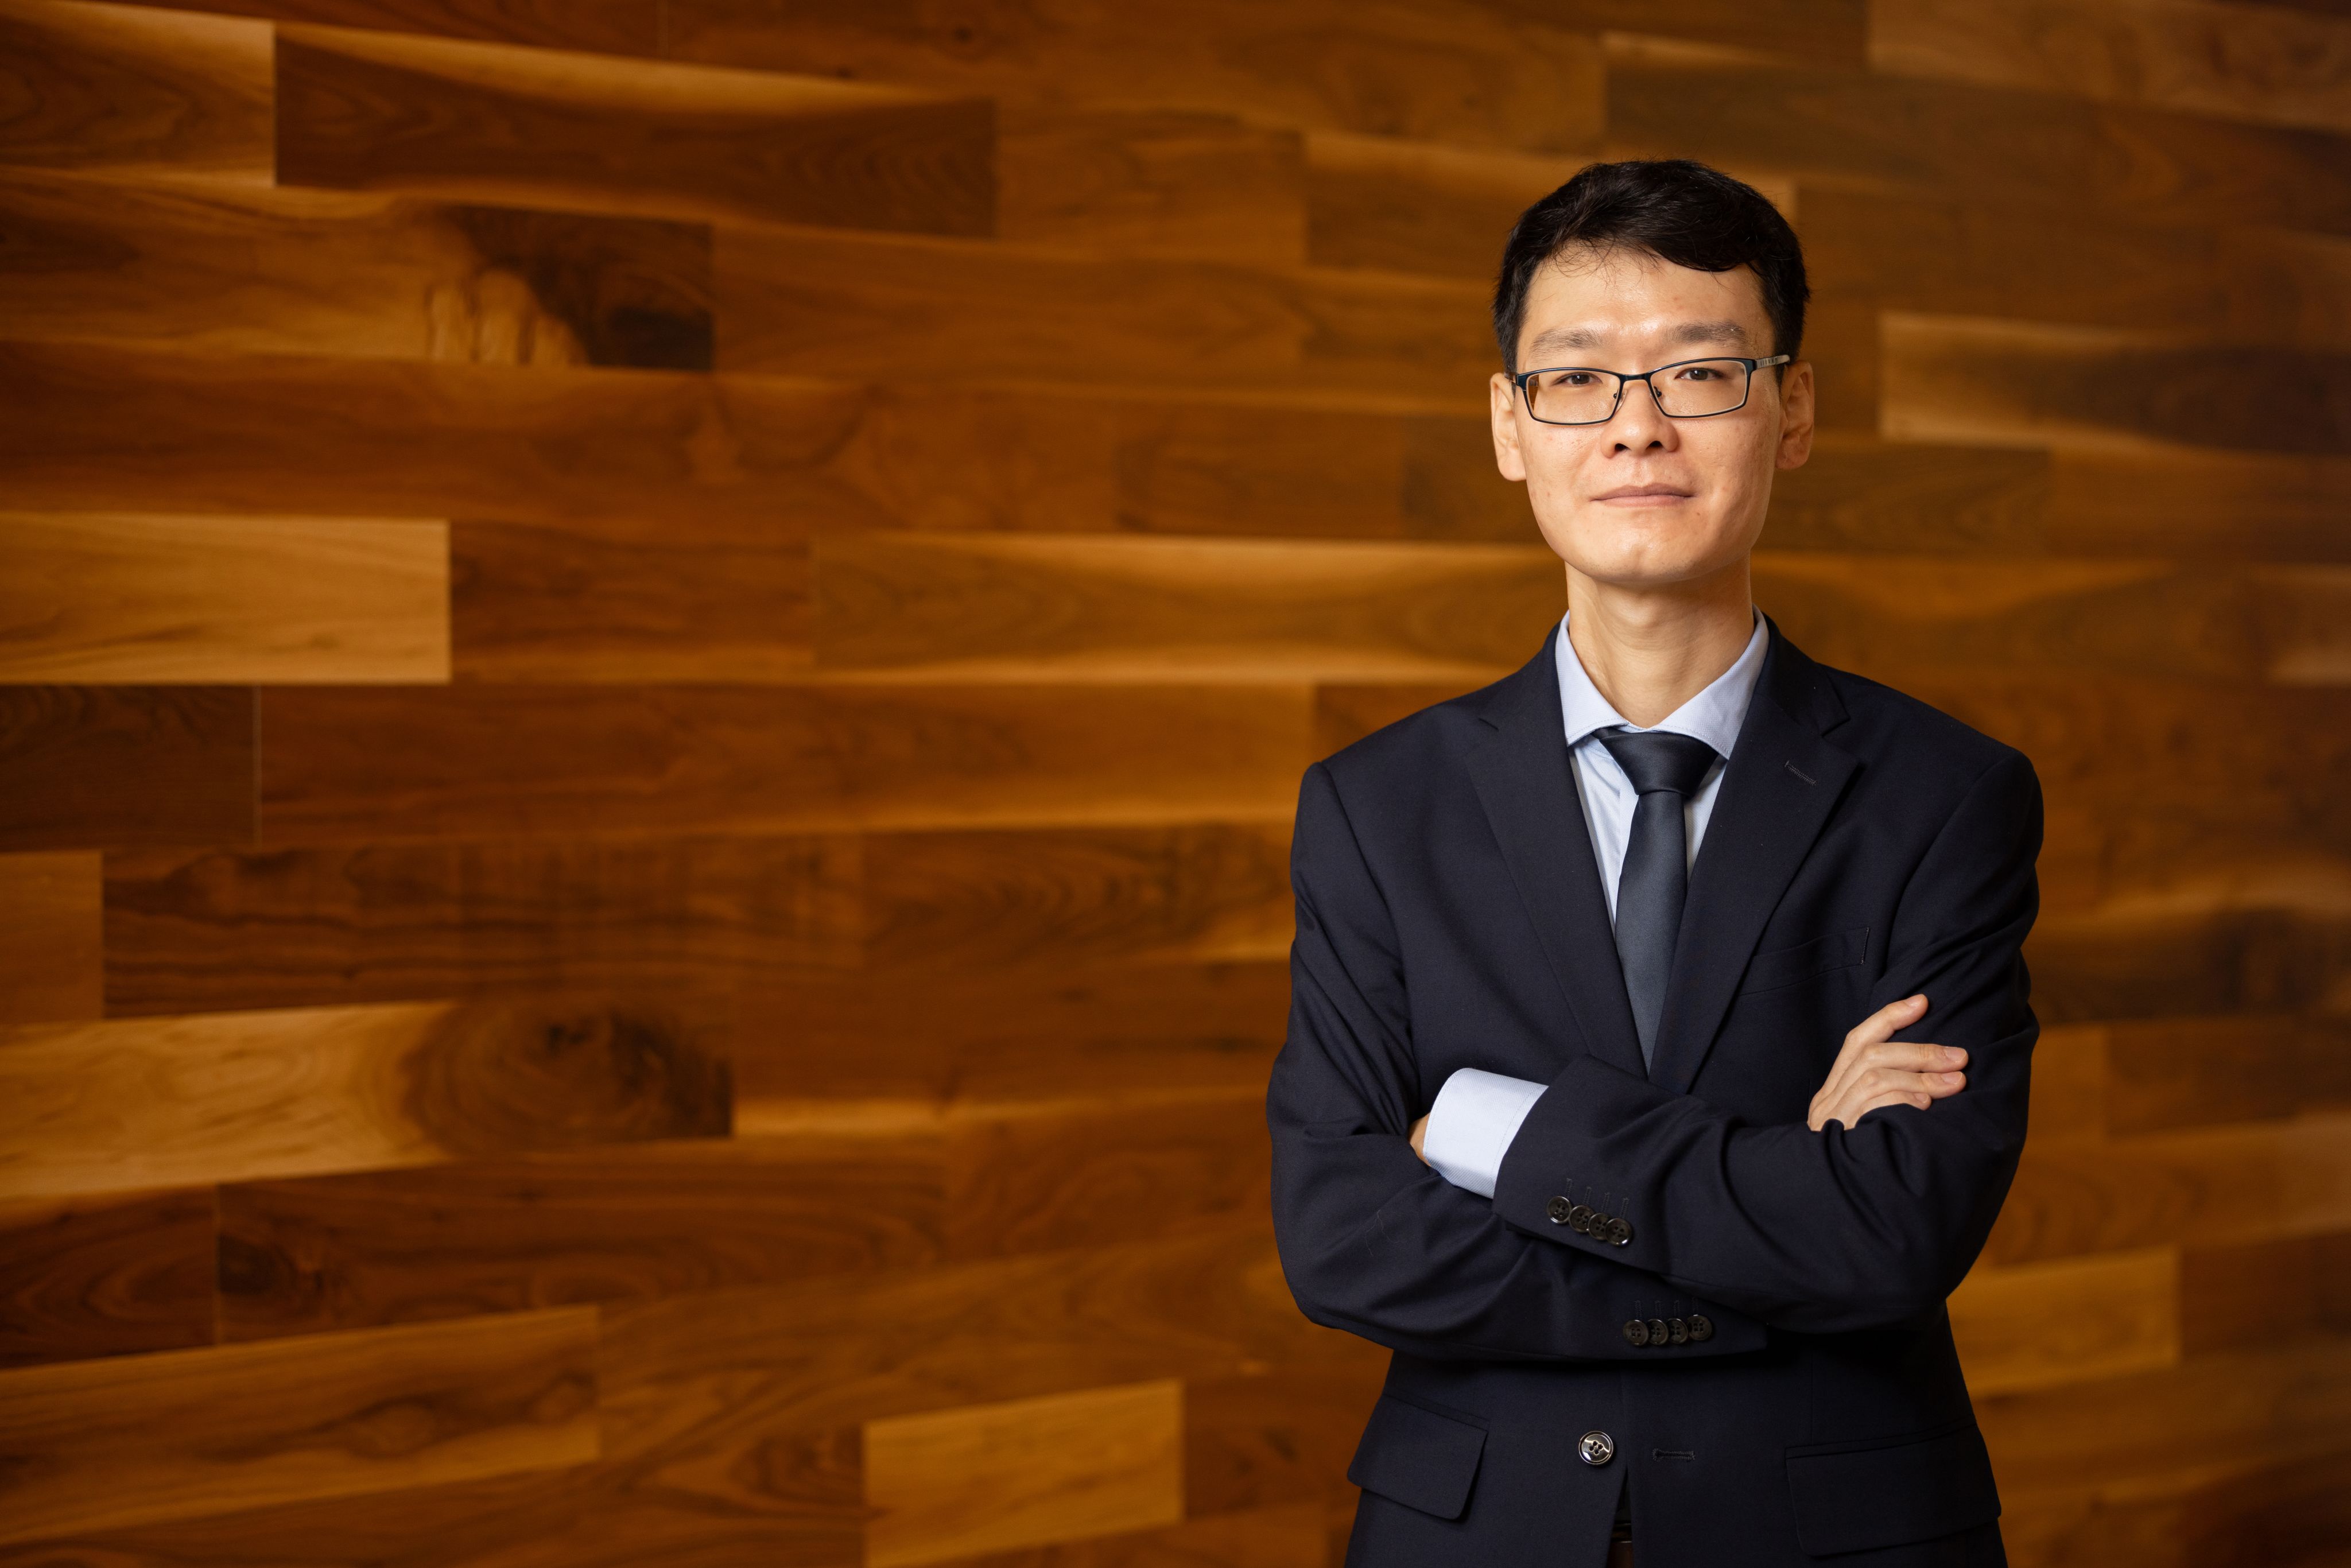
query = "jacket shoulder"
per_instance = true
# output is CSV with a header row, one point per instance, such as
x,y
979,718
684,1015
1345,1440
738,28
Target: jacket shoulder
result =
x,y
1883,720
1405,750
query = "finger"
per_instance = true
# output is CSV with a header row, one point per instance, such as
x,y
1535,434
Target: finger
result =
x,y
1873,1030
1916,1056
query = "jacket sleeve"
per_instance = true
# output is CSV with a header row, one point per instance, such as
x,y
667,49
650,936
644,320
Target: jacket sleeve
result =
x,y
1374,1241
1850,1228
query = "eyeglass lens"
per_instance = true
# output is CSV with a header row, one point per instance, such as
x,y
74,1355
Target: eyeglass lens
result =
x,y
1587,396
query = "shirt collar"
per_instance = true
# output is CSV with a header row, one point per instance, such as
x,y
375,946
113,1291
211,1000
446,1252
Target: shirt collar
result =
x,y
1712,716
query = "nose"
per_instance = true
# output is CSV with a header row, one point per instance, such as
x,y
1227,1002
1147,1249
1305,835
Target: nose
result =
x,y
1638,422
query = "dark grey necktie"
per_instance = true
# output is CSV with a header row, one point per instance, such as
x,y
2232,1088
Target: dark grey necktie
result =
x,y
1667,771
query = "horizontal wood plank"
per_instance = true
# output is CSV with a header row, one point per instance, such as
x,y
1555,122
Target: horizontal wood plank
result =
x,y
133,91
314,1255
228,269
2076,1196
1291,1536
127,600
1941,255
2039,1325
360,765
189,1433
134,430
1479,74
92,767
1205,891
111,1275
1036,1179
219,929
2237,62
614,26
50,962
2189,1072
813,302
1016,608
1983,143
1058,1467
367,111
134,1104
1162,183
2009,383
825,1045
1273,1437
2253,1294
627,602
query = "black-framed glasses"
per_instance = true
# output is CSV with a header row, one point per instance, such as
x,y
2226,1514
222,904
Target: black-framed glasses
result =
x,y
1692,388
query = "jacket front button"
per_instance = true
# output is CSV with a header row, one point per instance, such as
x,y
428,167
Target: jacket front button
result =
x,y
1596,1448
1559,1209
1637,1331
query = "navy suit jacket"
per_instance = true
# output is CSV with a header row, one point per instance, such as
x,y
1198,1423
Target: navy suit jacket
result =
x,y
1863,846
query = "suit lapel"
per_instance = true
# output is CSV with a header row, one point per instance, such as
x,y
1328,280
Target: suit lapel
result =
x,y
1778,788
1523,780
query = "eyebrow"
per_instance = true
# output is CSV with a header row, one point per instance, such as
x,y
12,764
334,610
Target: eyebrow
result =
x,y
1560,338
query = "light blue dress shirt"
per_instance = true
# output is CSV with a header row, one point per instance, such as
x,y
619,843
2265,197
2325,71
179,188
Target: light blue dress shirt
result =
x,y
1478,1112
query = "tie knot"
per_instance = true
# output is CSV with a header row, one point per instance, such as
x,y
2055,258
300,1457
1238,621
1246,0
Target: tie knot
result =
x,y
1657,760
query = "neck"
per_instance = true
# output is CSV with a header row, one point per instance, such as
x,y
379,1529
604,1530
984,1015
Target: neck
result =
x,y
1651,648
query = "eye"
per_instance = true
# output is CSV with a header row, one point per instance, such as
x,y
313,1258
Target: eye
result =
x,y
1699,374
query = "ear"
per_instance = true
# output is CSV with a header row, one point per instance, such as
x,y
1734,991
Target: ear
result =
x,y
1502,405
1797,411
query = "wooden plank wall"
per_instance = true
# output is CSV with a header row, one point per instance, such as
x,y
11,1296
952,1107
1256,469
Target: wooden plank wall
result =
x,y
657,656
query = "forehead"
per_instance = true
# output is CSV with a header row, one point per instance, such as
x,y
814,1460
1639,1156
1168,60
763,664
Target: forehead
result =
x,y
1586,299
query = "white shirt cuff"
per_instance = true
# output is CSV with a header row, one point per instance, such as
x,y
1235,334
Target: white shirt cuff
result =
x,y
1470,1127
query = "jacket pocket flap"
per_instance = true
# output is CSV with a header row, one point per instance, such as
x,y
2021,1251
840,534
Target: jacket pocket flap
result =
x,y
1418,1457
1786,965
1851,1497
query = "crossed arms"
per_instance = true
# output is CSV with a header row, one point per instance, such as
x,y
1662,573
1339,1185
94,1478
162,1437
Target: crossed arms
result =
x,y
1848,1220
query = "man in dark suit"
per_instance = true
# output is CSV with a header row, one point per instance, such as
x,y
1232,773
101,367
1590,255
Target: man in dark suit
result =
x,y
1608,1103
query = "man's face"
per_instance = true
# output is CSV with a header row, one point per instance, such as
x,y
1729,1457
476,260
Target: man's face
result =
x,y
1643,499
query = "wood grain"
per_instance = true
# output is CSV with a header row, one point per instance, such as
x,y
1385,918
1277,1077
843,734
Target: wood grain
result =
x,y
354,765
1998,383
2189,1072
2041,1325
2203,503
824,1046
105,87
809,302
134,1104
1476,75
127,600
1024,1472
206,1431
1284,1537
2223,1184
2258,1292
311,272
105,1276
51,965
614,26
1983,143
1033,1179
1884,615
1938,255
1164,183
2238,62
375,111
93,767
308,1256
1216,891
627,601
133,430
1272,1437
1021,608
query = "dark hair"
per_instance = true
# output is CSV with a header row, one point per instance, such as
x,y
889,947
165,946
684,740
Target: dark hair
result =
x,y
1673,208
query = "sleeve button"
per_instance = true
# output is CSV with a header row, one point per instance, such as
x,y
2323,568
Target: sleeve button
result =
x,y
1679,1329
1637,1331
1559,1209
1701,1329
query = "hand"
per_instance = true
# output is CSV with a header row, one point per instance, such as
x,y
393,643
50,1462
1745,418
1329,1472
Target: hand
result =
x,y
1874,1070
1420,1136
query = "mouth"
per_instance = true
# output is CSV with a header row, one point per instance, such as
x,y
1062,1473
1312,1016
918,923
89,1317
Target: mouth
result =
x,y
1644,494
